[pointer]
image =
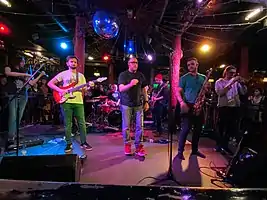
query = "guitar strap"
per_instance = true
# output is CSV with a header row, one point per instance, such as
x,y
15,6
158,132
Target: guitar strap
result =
x,y
77,78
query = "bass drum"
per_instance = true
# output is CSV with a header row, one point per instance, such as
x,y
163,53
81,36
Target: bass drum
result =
x,y
115,118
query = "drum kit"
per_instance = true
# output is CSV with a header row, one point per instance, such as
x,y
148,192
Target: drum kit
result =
x,y
105,114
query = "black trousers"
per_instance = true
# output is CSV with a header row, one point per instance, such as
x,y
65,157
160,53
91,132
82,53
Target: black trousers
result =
x,y
158,114
188,121
228,125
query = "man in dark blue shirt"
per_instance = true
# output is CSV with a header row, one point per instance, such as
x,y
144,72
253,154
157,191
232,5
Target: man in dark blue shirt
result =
x,y
132,85
189,88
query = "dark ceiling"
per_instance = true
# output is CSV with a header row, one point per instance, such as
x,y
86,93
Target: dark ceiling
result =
x,y
219,22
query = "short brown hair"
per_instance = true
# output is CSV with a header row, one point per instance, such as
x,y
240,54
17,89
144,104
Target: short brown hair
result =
x,y
192,58
227,69
71,57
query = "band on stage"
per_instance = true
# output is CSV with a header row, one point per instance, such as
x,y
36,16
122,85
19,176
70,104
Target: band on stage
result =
x,y
223,109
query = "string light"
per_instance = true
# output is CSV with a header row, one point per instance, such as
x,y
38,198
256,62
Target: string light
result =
x,y
227,13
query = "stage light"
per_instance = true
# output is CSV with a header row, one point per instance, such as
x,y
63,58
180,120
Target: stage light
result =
x,y
253,13
199,1
222,66
97,74
205,48
106,58
90,58
4,29
6,3
211,80
149,57
131,55
264,80
63,45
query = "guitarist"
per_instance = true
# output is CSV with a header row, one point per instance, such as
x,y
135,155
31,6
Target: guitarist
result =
x,y
73,106
159,102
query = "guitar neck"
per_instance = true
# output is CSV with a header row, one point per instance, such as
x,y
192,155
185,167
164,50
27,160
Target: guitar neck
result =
x,y
77,88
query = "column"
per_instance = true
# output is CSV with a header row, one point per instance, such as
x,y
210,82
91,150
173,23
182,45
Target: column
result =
x,y
79,42
111,73
175,69
243,69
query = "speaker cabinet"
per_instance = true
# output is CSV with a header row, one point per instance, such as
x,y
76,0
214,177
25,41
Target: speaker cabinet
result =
x,y
59,168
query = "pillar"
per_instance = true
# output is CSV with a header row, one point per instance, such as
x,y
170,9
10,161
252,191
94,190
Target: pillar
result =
x,y
175,69
111,73
79,42
243,70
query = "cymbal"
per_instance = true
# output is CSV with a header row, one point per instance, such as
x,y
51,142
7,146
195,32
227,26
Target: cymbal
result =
x,y
101,97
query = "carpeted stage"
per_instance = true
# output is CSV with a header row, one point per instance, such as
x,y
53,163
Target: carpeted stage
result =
x,y
107,164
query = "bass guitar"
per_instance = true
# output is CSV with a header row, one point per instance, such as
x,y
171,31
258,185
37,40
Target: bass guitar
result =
x,y
152,103
59,98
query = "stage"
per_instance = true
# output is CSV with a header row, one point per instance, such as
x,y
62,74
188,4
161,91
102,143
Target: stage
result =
x,y
107,164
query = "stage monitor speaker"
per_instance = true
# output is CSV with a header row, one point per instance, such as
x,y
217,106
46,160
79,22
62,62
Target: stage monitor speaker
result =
x,y
248,169
59,168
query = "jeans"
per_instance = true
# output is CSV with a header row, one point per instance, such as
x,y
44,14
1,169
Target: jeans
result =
x,y
127,113
18,102
187,121
76,110
158,111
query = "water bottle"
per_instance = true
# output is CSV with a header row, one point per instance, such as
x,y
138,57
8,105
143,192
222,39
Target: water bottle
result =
x,y
24,150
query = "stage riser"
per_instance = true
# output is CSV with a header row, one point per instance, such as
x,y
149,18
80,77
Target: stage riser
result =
x,y
60,168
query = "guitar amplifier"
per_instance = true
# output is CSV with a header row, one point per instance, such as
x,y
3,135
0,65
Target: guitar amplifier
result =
x,y
59,168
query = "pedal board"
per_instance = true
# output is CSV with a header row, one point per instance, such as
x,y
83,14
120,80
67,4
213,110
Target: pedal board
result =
x,y
25,143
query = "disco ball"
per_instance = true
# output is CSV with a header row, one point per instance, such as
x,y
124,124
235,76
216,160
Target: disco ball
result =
x,y
105,25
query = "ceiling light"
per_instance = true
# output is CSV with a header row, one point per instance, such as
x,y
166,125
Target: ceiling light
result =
x,y
90,58
254,13
6,3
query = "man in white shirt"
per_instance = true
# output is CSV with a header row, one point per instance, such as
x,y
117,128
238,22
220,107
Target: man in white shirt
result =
x,y
228,90
73,106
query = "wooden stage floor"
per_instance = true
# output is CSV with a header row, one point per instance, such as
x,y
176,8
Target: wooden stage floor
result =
x,y
107,164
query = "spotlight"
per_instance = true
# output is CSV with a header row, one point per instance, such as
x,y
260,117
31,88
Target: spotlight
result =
x,y
63,45
106,58
222,66
199,1
149,57
6,3
205,48
253,13
131,55
90,58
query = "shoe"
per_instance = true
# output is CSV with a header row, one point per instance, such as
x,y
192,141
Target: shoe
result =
x,y
86,146
140,151
180,156
199,154
68,148
127,149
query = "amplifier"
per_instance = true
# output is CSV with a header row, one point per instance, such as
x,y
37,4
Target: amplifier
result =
x,y
59,168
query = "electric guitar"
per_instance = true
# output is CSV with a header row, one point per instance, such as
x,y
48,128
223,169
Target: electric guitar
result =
x,y
152,103
59,98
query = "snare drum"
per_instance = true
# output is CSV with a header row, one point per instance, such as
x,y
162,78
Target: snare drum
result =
x,y
115,118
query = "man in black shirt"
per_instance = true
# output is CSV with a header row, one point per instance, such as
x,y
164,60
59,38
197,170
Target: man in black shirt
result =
x,y
16,77
159,100
131,86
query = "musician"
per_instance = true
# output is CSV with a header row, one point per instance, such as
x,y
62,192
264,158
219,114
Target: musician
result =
x,y
114,95
159,99
229,88
131,85
16,77
72,106
189,88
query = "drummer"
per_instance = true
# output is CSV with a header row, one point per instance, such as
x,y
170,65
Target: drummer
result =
x,y
114,96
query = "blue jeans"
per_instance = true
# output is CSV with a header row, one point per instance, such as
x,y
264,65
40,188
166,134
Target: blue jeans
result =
x,y
127,113
20,102
189,121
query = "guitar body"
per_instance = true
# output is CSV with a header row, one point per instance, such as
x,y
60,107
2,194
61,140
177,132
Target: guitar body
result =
x,y
62,99
59,98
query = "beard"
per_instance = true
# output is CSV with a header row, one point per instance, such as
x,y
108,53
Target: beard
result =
x,y
73,67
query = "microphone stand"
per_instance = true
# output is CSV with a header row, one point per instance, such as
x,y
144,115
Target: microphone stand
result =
x,y
171,129
17,95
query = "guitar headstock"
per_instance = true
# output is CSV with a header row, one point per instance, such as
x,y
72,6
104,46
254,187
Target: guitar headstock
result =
x,y
101,79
